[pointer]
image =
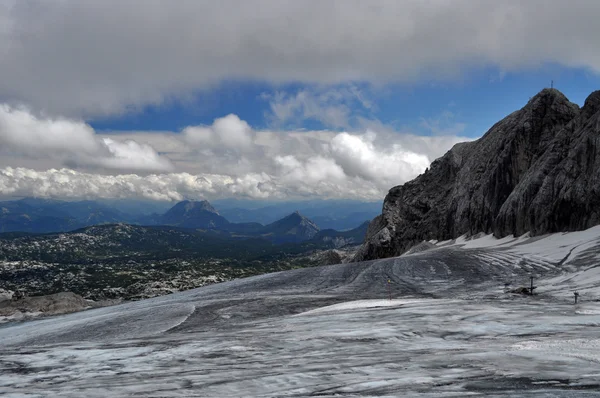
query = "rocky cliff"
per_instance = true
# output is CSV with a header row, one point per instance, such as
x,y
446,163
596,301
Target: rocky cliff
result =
x,y
537,171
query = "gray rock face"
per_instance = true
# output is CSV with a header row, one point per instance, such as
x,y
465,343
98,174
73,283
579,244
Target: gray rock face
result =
x,y
537,170
59,303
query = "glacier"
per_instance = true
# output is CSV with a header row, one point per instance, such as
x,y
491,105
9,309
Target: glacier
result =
x,y
449,329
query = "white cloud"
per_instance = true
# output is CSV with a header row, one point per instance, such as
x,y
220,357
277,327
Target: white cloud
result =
x,y
65,183
133,156
229,133
226,158
314,170
333,107
360,158
72,142
21,130
314,157
82,58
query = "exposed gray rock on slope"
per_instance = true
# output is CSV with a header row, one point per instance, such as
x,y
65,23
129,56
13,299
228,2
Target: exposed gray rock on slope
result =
x,y
59,303
561,191
537,170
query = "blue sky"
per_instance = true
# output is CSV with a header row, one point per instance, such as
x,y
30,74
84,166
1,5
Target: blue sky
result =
x,y
268,99
475,101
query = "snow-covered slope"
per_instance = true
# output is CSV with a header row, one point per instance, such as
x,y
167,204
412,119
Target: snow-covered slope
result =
x,y
563,262
449,330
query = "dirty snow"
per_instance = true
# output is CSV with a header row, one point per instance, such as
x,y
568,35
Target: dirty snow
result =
x,y
449,330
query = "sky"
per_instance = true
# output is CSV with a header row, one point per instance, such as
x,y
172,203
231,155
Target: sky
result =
x,y
268,99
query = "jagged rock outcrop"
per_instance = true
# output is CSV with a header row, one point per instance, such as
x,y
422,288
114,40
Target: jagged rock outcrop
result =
x,y
537,170
561,190
59,303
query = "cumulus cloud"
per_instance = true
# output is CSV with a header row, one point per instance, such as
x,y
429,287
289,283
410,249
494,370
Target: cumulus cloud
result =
x,y
314,170
229,133
66,183
314,157
29,134
133,156
360,158
228,158
111,56
72,142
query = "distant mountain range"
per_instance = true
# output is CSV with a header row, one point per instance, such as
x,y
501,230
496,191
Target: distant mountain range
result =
x,y
327,214
42,215
31,215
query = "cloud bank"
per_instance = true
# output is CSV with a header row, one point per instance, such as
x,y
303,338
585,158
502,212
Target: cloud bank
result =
x,y
224,159
71,184
72,142
109,57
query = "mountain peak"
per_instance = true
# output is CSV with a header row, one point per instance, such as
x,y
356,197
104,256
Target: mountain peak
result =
x,y
550,92
533,171
551,99
592,103
298,217
189,205
296,214
296,225
194,214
